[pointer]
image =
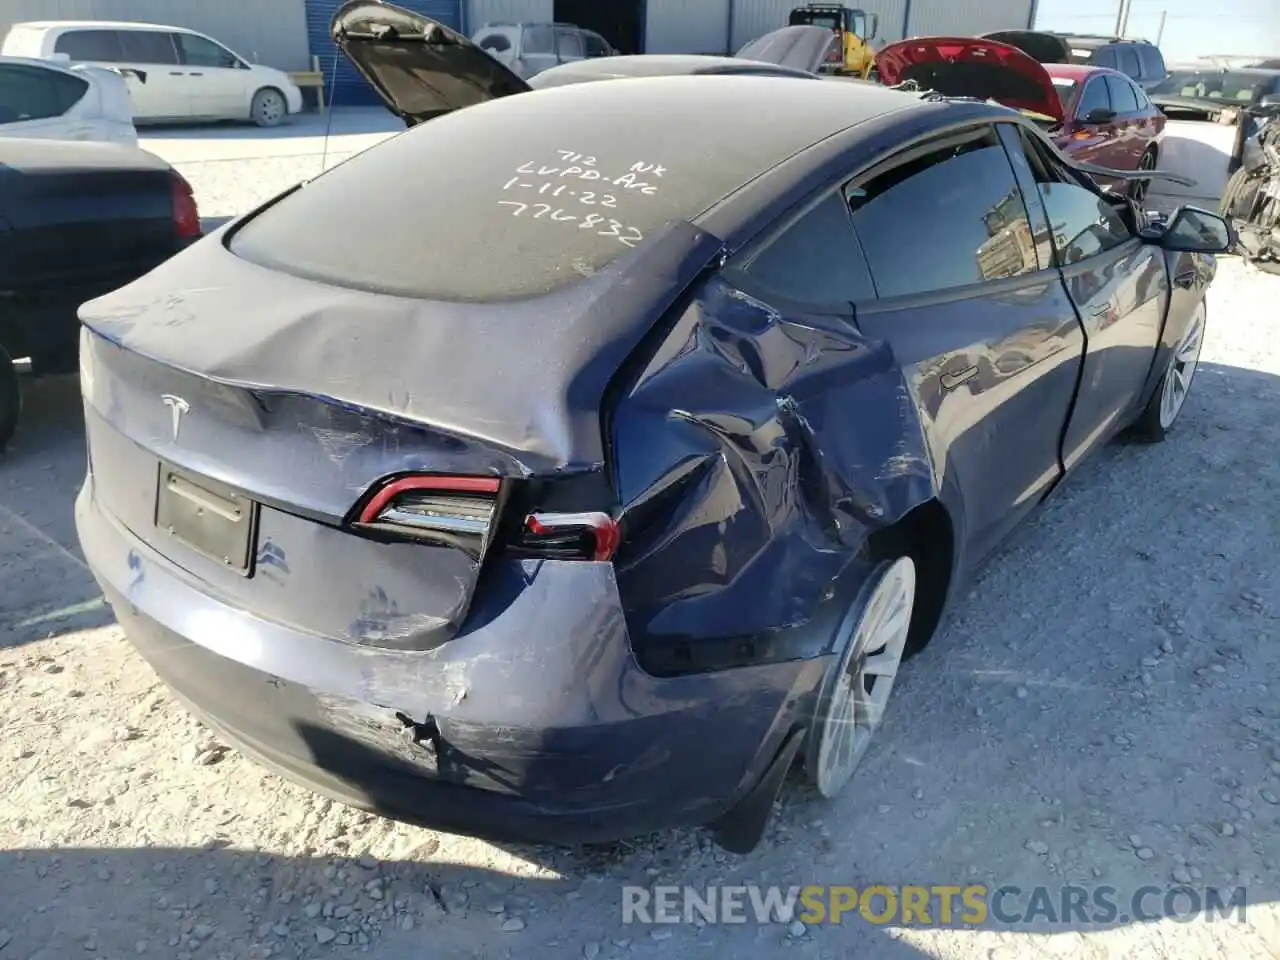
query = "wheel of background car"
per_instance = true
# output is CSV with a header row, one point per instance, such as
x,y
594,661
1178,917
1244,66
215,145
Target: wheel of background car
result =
x,y
1239,194
869,646
10,398
268,108
1138,188
1166,403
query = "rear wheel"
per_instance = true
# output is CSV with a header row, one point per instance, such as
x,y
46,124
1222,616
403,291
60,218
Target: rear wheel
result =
x,y
851,701
268,108
1238,195
1167,402
1138,188
10,398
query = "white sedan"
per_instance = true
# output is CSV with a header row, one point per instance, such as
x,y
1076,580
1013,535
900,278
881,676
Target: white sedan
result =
x,y
41,99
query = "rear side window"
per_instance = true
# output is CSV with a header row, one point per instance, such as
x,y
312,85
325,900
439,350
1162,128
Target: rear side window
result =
x,y
568,45
509,199
539,40
1127,57
30,93
147,46
1105,57
1094,96
1123,96
596,46
947,219
1152,62
102,46
816,259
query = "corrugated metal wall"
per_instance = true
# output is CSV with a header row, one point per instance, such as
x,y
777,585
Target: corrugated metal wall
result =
x,y
949,17
687,26
272,32
348,88
480,12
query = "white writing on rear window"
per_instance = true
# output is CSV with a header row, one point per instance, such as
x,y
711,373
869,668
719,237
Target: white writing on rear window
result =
x,y
557,191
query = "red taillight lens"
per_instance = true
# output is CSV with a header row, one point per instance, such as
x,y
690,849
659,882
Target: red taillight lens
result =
x,y
186,215
464,512
570,536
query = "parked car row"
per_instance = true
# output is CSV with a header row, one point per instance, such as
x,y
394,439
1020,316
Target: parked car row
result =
x,y
173,74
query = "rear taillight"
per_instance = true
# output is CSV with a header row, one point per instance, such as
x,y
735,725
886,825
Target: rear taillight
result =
x,y
186,215
569,536
464,512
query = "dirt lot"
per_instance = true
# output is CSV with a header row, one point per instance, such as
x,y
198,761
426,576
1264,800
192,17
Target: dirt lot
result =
x,y
1100,709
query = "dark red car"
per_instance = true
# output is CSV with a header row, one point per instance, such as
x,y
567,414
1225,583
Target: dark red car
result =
x,y
1097,115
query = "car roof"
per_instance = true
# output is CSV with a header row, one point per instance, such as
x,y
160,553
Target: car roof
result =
x,y
657,65
33,62
97,25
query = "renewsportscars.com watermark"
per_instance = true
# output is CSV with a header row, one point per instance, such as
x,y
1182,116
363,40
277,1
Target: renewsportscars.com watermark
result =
x,y
930,905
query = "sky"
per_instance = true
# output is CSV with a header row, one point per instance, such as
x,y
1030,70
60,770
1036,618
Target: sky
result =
x,y
1192,28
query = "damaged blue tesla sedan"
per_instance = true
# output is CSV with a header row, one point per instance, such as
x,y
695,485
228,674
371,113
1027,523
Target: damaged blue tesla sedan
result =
x,y
572,464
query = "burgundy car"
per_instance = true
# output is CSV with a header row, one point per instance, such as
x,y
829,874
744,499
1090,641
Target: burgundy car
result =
x,y
1096,115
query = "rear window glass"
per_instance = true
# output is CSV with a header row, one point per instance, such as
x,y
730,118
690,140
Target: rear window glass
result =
x,y
1152,62
102,46
539,40
515,197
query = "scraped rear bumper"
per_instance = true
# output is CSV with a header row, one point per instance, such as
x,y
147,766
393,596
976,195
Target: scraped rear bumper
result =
x,y
535,725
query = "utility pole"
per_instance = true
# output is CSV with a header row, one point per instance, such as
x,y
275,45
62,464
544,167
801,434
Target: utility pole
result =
x,y
1160,31
1122,17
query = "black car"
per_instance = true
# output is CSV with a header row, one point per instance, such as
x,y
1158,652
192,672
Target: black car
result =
x,y
1140,60
77,220
623,440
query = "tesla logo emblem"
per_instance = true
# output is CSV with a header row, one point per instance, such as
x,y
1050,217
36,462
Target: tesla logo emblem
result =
x,y
177,407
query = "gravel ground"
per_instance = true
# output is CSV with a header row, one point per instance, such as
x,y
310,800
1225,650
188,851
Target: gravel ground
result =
x,y
1099,709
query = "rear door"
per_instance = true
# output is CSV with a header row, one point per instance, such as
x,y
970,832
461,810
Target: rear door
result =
x,y
217,83
157,84
1119,288
1097,136
34,102
569,46
948,269
1130,124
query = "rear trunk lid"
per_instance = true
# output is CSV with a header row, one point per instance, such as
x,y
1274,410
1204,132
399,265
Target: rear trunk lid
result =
x,y
972,67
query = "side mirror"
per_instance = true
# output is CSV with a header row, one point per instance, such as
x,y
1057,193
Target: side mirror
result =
x,y
1100,115
1193,230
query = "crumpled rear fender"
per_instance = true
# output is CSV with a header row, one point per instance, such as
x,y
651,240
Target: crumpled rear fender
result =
x,y
754,454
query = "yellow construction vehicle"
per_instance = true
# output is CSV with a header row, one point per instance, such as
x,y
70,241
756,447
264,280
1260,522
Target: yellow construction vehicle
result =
x,y
855,29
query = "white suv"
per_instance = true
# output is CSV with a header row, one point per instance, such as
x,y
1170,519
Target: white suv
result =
x,y
529,48
173,73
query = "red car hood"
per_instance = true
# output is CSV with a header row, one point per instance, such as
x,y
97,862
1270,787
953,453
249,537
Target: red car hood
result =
x,y
971,67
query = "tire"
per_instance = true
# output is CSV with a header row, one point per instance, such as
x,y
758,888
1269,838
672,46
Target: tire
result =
x,y
1238,195
10,399
1162,410
268,108
872,633
1138,189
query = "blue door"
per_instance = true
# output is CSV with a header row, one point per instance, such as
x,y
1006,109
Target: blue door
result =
x,y
348,88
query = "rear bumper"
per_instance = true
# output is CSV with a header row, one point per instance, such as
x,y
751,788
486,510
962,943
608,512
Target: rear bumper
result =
x,y
538,725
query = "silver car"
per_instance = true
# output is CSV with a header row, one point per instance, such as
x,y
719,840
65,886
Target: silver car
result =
x,y
529,48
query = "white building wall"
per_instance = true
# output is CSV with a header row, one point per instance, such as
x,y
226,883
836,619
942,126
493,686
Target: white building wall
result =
x,y
272,32
687,26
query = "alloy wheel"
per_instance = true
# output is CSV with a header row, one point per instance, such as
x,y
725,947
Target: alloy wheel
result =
x,y
269,108
1138,189
874,638
1182,368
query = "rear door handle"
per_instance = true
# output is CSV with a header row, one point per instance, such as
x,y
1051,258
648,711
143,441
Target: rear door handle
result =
x,y
176,73
195,73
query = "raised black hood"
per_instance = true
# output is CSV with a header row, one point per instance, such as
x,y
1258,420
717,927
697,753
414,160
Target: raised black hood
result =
x,y
422,69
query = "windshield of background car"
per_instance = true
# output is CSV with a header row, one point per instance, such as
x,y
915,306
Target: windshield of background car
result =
x,y
1066,91
828,20
525,194
1209,85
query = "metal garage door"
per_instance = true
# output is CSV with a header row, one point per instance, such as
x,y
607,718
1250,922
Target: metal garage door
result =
x,y
349,88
